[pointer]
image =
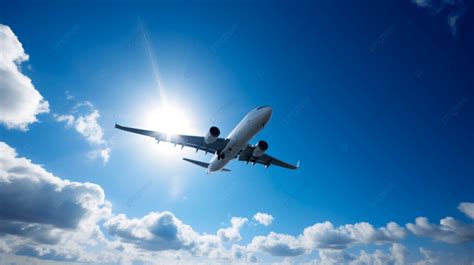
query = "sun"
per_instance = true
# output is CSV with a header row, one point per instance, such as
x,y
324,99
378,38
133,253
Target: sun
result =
x,y
168,118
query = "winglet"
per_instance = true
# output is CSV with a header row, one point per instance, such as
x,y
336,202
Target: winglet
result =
x,y
298,164
120,127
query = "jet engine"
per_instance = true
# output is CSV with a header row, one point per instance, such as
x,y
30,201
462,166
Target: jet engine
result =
x,y
260,148
212,135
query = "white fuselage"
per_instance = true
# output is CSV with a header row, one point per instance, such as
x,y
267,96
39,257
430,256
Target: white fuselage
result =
x,y
247,128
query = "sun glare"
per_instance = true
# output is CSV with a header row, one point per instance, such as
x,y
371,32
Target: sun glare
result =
x,y
168,118
171,118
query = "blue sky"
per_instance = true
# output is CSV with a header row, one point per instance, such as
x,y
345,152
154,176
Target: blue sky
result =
x,y
374,98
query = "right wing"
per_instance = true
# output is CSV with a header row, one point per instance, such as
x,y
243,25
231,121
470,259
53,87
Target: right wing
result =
x,y
264,159
196,142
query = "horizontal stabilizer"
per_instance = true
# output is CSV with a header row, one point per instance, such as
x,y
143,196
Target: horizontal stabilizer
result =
x,y
200,163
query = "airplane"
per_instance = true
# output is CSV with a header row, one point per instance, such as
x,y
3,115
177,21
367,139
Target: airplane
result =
x,y
234,146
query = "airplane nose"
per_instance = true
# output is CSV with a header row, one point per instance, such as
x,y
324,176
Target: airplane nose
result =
x,y
211,168
269,111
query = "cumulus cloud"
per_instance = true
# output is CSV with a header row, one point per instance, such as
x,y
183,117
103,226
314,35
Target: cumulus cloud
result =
x,y
239,252
84,119
395,256
277,245
20,102
449,230
45,217
155,231
163,231
326,236
232,233
467,208
454,9
428,257
30,194
38,208
263,218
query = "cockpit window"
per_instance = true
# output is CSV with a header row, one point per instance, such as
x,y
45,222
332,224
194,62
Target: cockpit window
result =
x,y
261,107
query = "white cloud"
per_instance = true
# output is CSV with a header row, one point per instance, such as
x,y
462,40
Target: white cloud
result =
x,y
232,233
47,253
44,216
241,253
321,236
325,235
428,257
20,102
30,194
163,231
88,127
395,256
84,119
103,153
422,3
277,245
263,218
453,20
155,231
449,230
48,218
456,8
467,208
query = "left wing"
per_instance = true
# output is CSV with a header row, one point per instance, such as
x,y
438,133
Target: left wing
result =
x,y
264,159
196,142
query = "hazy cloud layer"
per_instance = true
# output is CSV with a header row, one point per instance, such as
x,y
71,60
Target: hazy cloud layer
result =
x,y
46,254
451,9
20,102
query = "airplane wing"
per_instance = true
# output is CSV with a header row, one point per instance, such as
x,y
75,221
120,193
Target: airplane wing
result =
x,y
264,159
196,142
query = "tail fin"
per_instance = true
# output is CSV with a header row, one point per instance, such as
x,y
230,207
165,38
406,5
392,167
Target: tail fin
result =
x,y
200,163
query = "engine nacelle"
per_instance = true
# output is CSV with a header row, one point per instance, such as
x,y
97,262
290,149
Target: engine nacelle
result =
x,y
212,135
260,148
